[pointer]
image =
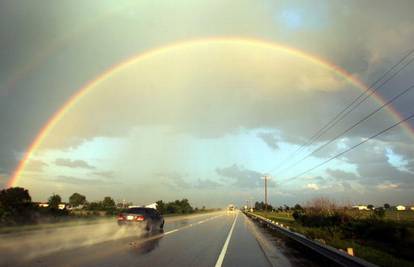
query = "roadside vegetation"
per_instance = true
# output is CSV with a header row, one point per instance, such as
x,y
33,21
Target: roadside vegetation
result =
x,y
382,236
19,212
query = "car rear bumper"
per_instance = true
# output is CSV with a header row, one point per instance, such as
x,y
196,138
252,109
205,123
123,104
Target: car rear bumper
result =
x,y
132,223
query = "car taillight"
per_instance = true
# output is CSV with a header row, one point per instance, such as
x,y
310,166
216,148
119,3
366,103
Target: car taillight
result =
x,y
139,218
121,217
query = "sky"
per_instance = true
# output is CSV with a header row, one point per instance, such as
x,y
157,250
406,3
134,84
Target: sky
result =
x,y
237,88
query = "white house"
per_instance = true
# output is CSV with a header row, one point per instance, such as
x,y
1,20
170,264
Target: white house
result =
x,y
400,207
360,207
61,206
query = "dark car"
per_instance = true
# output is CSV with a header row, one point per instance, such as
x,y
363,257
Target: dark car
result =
x,y
145,218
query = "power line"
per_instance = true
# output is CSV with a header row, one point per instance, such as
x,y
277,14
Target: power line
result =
x,y
363,100
353,126
342,114
351,148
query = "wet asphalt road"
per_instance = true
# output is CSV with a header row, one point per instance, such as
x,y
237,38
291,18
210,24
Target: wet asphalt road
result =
x,y
226,239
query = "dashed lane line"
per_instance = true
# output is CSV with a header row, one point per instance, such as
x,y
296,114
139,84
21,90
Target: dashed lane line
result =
x,y
226,244
173,231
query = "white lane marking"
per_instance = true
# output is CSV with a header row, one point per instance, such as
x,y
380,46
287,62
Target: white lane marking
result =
x,y
173,231
170,232
226,244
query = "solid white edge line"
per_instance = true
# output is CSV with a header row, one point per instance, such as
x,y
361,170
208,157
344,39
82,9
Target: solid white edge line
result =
x,y
226,244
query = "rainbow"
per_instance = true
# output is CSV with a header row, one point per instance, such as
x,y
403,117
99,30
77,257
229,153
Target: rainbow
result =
x,y
43,133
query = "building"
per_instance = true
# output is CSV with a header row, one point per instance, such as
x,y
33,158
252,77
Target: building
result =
x,y
360,207
61,206
400,207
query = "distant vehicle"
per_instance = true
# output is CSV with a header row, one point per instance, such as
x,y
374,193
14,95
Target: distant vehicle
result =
x,y
231,208
145,218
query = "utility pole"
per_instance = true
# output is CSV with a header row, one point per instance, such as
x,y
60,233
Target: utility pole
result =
x,y
266,177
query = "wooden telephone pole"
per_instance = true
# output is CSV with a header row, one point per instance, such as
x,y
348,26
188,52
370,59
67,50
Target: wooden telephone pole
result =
x,y
266,177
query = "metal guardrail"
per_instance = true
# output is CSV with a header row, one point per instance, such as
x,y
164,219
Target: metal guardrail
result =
x,y
339,257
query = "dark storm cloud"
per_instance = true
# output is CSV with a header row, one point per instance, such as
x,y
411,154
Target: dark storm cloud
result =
x,y
73,163
241,177
39,52
373,166
270,139
403,150
3,180
341,175
365,38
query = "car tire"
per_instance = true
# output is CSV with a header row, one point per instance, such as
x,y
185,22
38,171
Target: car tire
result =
x,y
162,225
149,227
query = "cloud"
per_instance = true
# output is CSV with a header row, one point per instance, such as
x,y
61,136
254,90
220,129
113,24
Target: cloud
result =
x,y
312,186
341,174
207,184
270,139
373,166
36,165
174,180
105,174
242,177
212,104
212,107
3,180
81,181
388,186
73,163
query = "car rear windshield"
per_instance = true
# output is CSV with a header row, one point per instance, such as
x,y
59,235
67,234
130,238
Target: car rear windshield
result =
x,y
137,210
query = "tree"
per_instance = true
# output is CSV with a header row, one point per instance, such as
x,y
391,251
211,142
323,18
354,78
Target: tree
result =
x,y
108,203
94,205
16,205
321,205
177,206
298,207
387,206
161,206
370,207
15,199
54,201
185,206
259,205
77,199
379,212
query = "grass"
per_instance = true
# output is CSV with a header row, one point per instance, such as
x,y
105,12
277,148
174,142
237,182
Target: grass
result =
x,y
404,216
281,217
369,251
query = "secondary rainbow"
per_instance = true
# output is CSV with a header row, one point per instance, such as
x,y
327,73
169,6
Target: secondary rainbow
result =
x,y
43,133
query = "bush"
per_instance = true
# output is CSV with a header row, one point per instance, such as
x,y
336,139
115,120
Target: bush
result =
x,y
374,229
319,219
379,212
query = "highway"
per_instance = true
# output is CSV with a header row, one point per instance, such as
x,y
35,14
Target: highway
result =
x,y
214,239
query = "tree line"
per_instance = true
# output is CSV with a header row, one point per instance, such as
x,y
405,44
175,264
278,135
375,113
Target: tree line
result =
x,y
177,206
262,206
17,207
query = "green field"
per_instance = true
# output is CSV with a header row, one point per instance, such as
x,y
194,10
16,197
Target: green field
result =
x,y
374,252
